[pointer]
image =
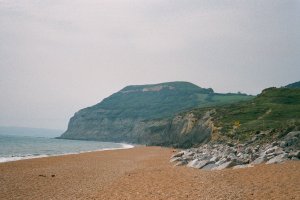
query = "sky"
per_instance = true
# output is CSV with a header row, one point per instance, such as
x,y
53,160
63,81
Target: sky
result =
x,y
58,56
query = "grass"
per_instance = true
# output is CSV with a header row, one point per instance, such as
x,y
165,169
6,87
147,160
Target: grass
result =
x,y
274,111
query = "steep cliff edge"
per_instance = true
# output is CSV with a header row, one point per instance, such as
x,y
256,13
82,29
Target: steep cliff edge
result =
x,y
267,118
145,114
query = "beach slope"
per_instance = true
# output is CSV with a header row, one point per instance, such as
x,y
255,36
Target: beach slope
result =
x,y
141,173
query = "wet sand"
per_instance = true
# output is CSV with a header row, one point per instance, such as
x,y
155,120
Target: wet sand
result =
x,y
141,173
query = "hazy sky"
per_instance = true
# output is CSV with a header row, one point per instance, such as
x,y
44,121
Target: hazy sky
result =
x,y
58,56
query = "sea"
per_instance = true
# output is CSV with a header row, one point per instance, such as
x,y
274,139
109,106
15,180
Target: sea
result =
x,y
18,147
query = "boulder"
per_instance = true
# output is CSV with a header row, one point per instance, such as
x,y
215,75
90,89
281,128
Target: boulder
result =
x,y
259,160
221,161
292,138
225,165
293,134
278,159
179,154
198,163
272,150
283,144
176,159
193,163
242,166
180,163
209,166
214,159
295,154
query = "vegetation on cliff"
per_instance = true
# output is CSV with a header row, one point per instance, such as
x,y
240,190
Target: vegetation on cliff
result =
x,y
181,114
293,85
121,116
272,114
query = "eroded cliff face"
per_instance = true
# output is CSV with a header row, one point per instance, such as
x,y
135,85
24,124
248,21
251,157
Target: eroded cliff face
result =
x,y
91,125
147,114
183,130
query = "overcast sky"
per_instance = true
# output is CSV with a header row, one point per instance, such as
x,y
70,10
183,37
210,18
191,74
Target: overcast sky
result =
x,y
58,56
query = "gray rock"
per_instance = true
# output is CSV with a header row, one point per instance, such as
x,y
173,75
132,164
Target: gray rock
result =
x,y
293,141
259,160
214,159
295,154
271,150
188,158
193,163
242,166
179,154
254,139
270,156
198,163
232,156
221,161
256,148
190,153
278,159
176,159
294,158
275,143
225,165
292,138
293,134
209,166
180,163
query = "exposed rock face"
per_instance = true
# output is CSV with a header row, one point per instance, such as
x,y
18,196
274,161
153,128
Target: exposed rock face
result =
x,y
147,115
180,131
221,156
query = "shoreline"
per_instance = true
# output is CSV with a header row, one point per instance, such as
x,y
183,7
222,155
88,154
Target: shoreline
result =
x,y
141,173
30,157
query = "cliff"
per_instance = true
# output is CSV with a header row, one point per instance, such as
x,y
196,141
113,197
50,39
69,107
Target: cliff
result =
x,y
147,114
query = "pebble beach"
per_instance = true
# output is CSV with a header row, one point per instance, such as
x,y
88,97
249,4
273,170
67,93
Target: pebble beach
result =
x,y
142,173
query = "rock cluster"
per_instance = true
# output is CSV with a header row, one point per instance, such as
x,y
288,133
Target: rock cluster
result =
x,y
220,156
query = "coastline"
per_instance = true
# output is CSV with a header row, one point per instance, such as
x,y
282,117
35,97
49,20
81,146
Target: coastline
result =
x,y
29,157
141,173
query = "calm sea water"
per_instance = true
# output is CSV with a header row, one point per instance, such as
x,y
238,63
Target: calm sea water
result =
x,y
25,147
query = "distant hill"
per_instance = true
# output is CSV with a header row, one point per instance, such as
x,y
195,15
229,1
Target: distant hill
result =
x,y
116,117
294,85
25,131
